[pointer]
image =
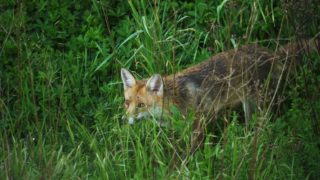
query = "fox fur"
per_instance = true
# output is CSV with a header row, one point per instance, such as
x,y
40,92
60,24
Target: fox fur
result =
x,y
227,79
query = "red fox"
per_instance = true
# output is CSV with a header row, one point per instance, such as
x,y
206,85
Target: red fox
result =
x,y
225,80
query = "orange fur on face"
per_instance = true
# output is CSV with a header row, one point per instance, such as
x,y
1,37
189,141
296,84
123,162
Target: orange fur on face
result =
x,y
140,102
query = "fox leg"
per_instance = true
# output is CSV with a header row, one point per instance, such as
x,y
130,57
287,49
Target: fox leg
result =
x,y
248,108
197,136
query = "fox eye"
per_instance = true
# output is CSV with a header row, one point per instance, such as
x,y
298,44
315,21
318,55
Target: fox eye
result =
x,y
140,105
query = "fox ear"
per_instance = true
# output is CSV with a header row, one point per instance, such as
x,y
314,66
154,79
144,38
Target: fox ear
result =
x,y
127,79
155,85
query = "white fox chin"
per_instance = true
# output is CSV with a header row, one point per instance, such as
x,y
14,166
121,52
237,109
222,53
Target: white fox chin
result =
x,y
154,112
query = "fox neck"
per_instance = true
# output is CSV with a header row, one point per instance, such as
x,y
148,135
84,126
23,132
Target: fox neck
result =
x,y
173,95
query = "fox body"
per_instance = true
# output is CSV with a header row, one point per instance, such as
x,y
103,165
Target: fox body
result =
x,y
225,80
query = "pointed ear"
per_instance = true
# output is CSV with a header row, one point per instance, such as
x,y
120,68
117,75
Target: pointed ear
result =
x,y
127,79
155,85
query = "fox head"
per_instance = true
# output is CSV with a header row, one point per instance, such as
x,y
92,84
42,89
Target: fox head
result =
x,y
143,98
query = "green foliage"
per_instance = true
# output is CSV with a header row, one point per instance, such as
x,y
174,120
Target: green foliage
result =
x,y
61,95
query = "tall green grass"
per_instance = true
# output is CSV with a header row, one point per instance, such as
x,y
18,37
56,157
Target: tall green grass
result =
x,y
61,94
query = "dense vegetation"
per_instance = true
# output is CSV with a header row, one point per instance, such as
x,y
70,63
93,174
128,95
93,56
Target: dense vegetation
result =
x,y
61,93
